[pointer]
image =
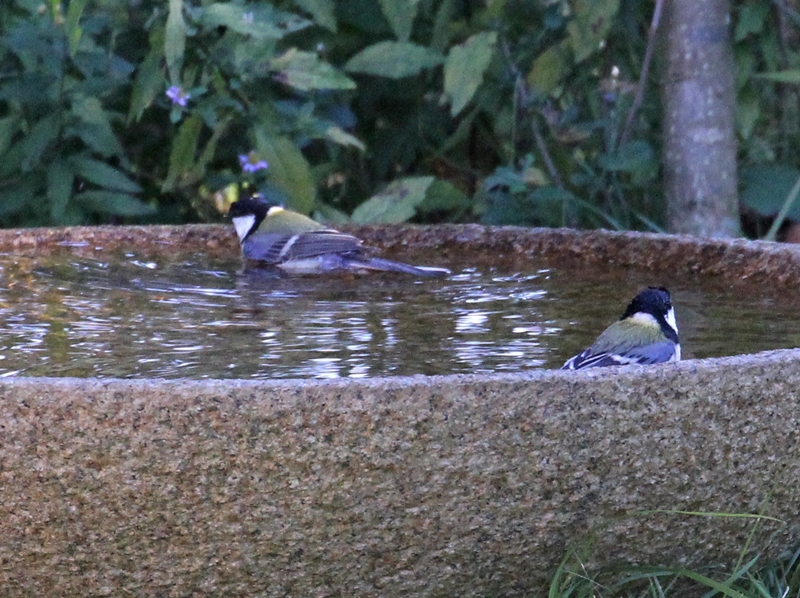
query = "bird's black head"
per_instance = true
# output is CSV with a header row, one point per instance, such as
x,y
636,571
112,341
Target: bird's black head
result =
x,y
251,206
247,215
653,300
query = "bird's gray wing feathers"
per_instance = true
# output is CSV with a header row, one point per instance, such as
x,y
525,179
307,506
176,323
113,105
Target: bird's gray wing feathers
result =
x,y
264,247
380,264
322,242
274,248
653,353
646,355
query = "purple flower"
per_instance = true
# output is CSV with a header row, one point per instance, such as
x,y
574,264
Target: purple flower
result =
x,y
178,96
251,162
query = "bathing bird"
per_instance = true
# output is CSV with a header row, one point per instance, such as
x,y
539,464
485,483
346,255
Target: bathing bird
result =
x,y
646,333
275,236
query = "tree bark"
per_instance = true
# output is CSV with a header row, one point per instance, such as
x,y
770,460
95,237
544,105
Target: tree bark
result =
x,y
699,100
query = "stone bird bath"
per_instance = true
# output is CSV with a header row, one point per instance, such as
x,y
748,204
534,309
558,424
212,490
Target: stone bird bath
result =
x,y
406,486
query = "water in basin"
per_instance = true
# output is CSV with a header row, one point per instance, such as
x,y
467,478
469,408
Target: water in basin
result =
x,y
204,318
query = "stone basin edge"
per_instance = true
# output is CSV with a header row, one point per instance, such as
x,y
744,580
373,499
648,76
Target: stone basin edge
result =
x,y
462,485
734,260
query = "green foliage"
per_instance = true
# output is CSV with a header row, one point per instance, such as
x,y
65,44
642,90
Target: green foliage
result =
x,y
590,26
289,170
121,111
394,60
465,67
525,120
766,186
750,578
386,110
768,114
397,203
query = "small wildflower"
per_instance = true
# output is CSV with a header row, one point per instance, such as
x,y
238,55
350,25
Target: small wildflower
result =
x,y
609,97
251,162
247,18
178,96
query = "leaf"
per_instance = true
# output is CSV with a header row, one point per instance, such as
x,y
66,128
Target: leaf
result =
x,y
397,203
175,40
632,156
322,11
400,14
27,88
260,21
11,162
543,206
8,126
41,135
72,24
198,171
149,80
745,67
549,69
508,178
289,171
103,175
118,204
506,208
32,6
181,158
394,60
787,76
766,186
88,109
60,178
443,196
305,71
342,137
748,109
102,71
366,16
99,138
17,197
590,25
327,214
751,19
465,67
443,31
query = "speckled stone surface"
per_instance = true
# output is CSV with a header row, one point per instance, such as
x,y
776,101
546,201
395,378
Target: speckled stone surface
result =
x,y
440,486
740,260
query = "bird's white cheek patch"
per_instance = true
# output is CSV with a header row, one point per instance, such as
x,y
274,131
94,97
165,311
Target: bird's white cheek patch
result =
x,y
243,224
671,319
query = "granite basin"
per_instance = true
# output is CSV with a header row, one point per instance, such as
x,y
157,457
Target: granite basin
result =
x,y
406,486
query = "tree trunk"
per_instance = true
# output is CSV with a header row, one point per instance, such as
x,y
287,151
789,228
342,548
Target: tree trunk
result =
x,y
699,101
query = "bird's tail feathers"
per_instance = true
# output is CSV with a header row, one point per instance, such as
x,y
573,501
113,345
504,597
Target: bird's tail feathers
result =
x,y
377,263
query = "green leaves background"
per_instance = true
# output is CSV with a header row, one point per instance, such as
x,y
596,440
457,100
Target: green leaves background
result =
x,y
366,110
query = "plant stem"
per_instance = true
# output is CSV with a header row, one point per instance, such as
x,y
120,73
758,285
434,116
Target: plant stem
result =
x,y
787,205
648,58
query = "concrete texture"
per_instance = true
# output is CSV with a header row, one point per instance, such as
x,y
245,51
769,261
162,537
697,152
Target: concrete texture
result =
x,y
440,486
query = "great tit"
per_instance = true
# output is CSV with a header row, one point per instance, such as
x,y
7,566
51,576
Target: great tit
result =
x,y
296,244
646,333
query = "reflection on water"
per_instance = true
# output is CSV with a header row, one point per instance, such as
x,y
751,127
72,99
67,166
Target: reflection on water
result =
x,y
133,318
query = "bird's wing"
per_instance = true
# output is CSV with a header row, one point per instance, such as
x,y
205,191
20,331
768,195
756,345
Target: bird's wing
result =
x,y
648,354
363,262
652,353
274,248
